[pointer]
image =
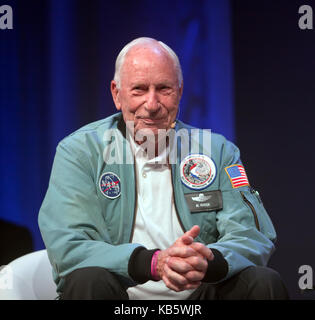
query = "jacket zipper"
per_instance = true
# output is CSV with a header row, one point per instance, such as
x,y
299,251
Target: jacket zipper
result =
x,y
252,209
136,202
174,198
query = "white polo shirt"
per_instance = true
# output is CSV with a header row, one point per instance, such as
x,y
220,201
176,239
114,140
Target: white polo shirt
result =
x,y
156,224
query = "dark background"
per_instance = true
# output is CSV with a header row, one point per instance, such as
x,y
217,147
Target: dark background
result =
x,y
248,73
274,63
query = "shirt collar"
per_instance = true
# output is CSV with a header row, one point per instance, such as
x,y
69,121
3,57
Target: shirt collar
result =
x,y
140,153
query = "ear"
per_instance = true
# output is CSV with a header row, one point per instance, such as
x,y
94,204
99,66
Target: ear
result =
x,y
115,94
181,89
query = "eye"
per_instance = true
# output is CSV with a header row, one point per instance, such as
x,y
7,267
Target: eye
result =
x,y
164,89
138,89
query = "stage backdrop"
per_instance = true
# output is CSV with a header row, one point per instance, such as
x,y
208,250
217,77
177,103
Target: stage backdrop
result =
x,y
56,68
275,99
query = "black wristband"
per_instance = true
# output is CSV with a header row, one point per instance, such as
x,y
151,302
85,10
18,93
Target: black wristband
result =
x,y
139,267
217,268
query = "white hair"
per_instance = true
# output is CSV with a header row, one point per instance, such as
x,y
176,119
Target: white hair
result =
x,y
144,40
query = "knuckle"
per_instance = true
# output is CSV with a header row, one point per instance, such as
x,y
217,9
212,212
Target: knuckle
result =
x,y
195,260
170,261
196,277
189,251
182,282
190,275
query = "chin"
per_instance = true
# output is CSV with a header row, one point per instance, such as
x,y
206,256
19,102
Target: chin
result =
x,y
148,130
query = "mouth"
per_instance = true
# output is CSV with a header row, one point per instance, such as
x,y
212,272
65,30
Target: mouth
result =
x,y
150,122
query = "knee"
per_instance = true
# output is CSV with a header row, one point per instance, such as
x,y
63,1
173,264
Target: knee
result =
x,y
264,274
92,283
264,283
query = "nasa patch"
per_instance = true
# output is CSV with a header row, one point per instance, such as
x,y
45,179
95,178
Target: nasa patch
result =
x,y
197,171
110,185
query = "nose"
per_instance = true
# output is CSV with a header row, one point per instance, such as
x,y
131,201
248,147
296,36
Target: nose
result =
x,y
152,104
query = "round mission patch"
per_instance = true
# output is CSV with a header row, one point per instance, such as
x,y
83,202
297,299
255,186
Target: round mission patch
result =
x,y
197,171
110,185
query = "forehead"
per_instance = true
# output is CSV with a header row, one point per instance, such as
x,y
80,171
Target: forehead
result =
x,y
144,63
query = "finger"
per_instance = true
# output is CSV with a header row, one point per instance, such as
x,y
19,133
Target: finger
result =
x,y
181,251
186,239
194,276
192,285
186,270
203,250
179,265
170,285
176,278
188,286
198,263
193,232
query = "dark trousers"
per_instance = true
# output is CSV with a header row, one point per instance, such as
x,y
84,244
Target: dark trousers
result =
x,y
253,283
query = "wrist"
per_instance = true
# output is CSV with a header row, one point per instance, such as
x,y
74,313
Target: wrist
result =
x,y
154,263
139,266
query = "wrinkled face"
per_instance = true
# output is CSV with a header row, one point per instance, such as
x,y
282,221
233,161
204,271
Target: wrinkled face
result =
x,y
149,92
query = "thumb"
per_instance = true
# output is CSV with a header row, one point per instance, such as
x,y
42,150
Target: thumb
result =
x,y
189,236
193,232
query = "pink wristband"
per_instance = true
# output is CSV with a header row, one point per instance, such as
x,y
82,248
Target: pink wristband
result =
x,y
154,261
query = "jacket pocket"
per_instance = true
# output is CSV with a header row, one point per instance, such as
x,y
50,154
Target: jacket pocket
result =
x,y
252,208
262,220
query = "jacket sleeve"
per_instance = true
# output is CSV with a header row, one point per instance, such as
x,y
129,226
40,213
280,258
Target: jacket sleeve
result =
x,y
72,224
246,233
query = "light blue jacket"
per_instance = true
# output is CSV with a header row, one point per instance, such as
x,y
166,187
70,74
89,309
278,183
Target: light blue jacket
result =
x,y
81,227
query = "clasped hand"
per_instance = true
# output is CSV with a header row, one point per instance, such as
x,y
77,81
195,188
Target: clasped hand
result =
x,y
183,265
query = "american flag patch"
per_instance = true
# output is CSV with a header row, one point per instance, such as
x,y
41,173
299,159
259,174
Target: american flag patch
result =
x,y
237,175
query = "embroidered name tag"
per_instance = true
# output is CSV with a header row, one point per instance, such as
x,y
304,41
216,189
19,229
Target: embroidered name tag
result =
x,y
204,201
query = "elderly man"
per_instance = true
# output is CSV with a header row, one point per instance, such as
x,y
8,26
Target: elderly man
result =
x,y
155,227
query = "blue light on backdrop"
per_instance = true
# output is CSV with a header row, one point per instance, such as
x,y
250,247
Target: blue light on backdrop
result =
x,y
56,66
